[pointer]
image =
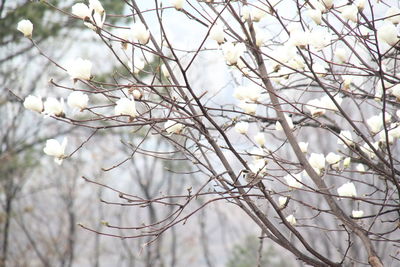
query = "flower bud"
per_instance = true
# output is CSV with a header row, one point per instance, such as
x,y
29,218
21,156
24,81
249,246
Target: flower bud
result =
x,y
347,190
54,107
33,103
126,106
80,69
26,27
78,100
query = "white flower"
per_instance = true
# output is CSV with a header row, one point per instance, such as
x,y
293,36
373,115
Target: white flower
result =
x,y
165,71
261,37
346,162
282,201
327,3
388,34
26,27
260,139
217,33
382,137
367,150
54,107
357,213
248,108
375,123
257,13
126,106
278,125
319,70
97,19
140,33
396,91
291,219
347,190
232,52
350,12
315,107
33,103
138,67
341,55
360,167
315,15
246,13
96,6
294,180
80,69
299,38
303,147
317,161
394,131
345,137
136,94
242,127
55,149
249,93
393,15
319,39
333,158
78,100
327,102
259,166
81,10
173,127
178,4
360,4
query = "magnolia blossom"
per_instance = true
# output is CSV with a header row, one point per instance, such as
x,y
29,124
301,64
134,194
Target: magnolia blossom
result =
x,y
178,4
388,34
261,37
319,39
165,71
259,166
368,150
350,12
316,4
291,219
78,100
242,127
345,137
393,15
55,149
33,103
382,138
217,33
54,107
303,147
138,66
26,27
140,33
257,13
294,180
249,108
317,161
96,20
260,139
299,37
282,201
319,70
173,127
360,4
394,130
232,52
341,55
346,162
357,213
80,69
126,106
278,125
136,94
81,10
360,167
246,13
96,6
396,91
315,108
315,15
347,190
333,158
248,93
328,103
375,123
327,3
